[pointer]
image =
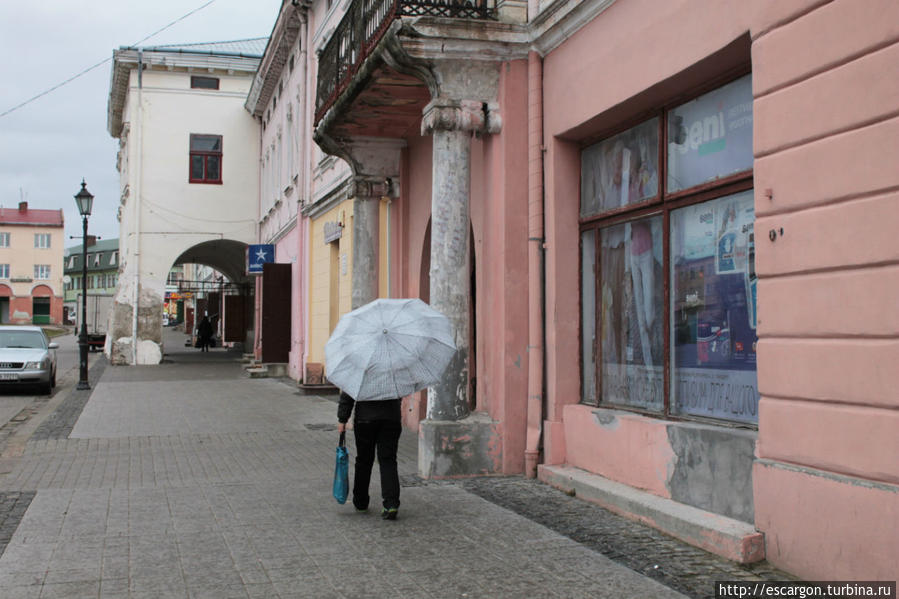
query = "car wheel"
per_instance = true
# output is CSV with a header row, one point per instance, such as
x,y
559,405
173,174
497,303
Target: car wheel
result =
x,y
53,379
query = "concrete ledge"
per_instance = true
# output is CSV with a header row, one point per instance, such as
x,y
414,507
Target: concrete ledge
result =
x,y
732,539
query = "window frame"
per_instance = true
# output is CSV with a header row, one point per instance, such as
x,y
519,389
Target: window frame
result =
x,y
4,271
662,204
39,238
39,272
196,82
205,155
4,239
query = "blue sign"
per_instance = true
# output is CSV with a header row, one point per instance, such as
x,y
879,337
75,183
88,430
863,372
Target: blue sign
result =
x,y
258,255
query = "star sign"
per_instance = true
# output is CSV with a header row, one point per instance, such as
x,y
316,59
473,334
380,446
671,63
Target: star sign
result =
x,y
260,255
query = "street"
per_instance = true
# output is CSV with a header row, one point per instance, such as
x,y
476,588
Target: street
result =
x,y
188,479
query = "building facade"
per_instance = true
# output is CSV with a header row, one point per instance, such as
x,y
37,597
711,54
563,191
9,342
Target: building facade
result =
x,y
31,265
700,343
102,272
189,172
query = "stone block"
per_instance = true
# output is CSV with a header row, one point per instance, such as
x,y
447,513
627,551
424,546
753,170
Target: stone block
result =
x,y
468,447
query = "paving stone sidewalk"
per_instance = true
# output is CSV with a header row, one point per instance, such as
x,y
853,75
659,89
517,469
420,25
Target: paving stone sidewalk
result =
x,y
189,480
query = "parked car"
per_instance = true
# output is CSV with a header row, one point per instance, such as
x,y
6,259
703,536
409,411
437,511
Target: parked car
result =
x,y
27,356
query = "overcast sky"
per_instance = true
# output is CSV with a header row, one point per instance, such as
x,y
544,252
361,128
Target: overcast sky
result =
x,y
47,146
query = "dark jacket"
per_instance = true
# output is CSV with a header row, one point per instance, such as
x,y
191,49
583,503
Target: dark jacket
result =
x,y
368,411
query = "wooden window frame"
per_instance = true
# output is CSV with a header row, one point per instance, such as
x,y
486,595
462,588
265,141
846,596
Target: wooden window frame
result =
x,y
205,155
663,204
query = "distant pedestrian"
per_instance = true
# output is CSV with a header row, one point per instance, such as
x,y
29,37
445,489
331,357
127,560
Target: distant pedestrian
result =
x,y
377,427
204,334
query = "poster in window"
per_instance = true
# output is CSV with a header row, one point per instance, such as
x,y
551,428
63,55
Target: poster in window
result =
x,y
711,136
631,335
714,310
621,170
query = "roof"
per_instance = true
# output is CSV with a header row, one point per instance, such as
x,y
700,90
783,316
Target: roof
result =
x,y
102,245
284,36
251,47
32,217
233,57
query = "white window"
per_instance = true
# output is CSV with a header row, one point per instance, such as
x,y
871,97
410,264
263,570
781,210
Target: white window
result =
x,y
112,257
71,262
42,240
42,271
97,257
4,270
4,240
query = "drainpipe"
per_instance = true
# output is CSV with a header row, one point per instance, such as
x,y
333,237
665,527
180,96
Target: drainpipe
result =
x,y
306,171
137,202
535,264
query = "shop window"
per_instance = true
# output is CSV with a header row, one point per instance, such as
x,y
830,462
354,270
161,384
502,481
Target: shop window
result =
x,y
205,158
668,293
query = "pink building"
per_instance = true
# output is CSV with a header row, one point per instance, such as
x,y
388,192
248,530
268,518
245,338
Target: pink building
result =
x,y
31,265
665,235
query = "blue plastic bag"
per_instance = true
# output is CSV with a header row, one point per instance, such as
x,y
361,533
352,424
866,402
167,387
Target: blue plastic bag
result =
x,y
341,472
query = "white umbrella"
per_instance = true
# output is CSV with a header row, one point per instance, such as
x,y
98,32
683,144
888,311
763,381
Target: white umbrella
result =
x,y
389,348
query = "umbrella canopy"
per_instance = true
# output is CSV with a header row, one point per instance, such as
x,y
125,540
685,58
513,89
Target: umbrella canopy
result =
x,y
389,348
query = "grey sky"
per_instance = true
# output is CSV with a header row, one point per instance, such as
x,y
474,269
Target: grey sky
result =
x,y
47,146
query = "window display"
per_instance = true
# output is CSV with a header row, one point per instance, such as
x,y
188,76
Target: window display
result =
x,y
710,137
631,296
621,170
713,309
683,346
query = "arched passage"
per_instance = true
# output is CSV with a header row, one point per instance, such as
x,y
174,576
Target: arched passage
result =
x,y
144,282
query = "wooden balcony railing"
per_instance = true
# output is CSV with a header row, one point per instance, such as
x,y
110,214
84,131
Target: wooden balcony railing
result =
x,y
361,29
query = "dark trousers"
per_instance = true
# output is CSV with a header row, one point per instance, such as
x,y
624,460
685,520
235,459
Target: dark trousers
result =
x,y
383,437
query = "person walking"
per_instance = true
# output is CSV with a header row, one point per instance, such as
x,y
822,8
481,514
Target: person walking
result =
x,y
377,428
204,333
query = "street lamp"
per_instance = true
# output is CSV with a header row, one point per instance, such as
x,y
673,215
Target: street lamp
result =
x,y
85,201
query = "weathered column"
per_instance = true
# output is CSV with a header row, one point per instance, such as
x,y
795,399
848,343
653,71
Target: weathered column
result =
x,y
367,193
375,162
452,124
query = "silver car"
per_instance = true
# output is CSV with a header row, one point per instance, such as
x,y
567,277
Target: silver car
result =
x,y
27,356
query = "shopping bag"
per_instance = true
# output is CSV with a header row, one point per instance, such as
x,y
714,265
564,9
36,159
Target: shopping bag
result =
x,y
341,471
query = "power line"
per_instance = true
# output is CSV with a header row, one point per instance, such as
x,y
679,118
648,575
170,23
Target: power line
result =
x,y
101,63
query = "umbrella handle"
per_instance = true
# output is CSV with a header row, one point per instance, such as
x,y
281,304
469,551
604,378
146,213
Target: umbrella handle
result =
x,y
342,441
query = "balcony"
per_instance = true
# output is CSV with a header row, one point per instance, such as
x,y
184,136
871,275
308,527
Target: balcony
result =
x,y
363,26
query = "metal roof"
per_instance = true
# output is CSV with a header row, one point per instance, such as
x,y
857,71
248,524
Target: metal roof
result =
x,y
252,47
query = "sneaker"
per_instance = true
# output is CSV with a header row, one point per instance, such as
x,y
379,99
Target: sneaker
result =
x,y
362,510
389,514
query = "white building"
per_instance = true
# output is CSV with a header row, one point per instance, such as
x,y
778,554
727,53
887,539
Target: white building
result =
x,y
188,158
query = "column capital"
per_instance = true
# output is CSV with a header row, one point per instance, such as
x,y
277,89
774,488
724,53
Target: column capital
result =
x,y
364,187
446,114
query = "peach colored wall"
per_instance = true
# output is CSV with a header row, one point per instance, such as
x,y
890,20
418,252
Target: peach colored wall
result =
x,y
826,132
826,527
825,140
607,447
503,270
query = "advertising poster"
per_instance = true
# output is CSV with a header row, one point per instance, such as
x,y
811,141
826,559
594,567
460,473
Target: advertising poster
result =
x,y
714,309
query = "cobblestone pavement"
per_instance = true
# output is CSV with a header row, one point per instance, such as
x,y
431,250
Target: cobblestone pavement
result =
x,y
683,567
189,480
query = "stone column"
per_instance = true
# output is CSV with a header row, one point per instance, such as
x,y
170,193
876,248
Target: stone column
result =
x,y
452,124
367,193
375,162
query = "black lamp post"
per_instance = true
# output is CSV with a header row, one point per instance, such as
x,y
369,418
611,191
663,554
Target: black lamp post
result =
x,y
85,201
